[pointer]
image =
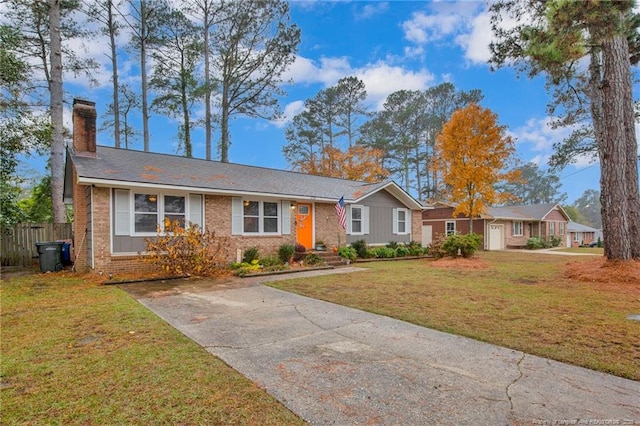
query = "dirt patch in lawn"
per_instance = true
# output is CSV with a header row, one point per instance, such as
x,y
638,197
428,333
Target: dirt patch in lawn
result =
x,y
460,263
609,274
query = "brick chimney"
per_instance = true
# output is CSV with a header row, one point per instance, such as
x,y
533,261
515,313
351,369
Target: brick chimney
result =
x,y
84,128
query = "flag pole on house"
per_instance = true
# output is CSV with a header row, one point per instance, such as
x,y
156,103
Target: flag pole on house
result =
x,y
341,212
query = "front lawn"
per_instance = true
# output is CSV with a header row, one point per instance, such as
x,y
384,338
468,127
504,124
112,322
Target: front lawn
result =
x,y
566,308
76,352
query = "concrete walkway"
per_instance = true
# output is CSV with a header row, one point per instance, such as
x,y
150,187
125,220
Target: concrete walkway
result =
x,y
336,365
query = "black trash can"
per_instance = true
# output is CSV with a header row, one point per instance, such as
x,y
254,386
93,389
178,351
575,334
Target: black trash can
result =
x,y
50,255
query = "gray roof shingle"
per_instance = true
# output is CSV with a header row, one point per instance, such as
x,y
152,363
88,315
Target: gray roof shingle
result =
x,y
530,211
121,166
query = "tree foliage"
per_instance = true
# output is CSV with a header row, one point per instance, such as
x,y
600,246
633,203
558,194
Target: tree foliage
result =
x,y
254,44
188,250
177,50
534,186
586,50
589,205
472,152
322,137
406,129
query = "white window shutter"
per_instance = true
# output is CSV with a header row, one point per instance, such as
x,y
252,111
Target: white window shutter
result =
x,y
365,219
395,221
195,210
236,216
286,218
122,225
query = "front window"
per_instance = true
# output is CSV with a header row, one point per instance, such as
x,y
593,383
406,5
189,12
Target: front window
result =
x,y
450,228
151,210
401,221
174,209
145,213
356,220
517,229
260,217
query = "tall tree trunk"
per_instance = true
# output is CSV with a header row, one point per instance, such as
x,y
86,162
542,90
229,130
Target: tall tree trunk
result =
x,y
185,115
612,111
224,126
207,84
143,73
114,67
56,111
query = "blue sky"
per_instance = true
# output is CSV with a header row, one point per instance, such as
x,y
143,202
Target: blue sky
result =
x,y
390,46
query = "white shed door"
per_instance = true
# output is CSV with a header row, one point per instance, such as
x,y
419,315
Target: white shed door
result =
x,y
496,242
427,235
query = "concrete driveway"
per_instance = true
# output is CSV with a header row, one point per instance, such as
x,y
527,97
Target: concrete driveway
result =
x,y
335,365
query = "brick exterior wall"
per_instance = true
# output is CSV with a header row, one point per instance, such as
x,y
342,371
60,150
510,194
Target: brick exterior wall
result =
x,y
328,230
416,225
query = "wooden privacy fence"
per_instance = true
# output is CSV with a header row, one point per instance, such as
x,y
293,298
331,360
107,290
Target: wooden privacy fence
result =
x,y
18,244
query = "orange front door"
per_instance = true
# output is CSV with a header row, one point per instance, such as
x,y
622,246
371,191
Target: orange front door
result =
x,y
304,224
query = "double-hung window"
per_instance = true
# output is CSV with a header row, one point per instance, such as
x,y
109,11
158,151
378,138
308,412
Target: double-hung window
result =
x,y
450,227
356,219
260,217
145,213
517,229
401,221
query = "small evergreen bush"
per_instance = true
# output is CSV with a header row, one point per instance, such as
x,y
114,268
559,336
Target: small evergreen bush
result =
x,y
347,252
285,253
465,244
251,254
360,247
385,253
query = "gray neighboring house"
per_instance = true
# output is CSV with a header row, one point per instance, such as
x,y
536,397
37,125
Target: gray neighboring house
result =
x,y
121,196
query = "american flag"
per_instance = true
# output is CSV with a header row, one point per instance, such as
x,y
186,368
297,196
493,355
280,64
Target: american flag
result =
x,y
341,211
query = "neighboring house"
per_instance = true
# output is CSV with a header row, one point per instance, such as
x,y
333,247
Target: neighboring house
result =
x,y
121,196
579,234
501,227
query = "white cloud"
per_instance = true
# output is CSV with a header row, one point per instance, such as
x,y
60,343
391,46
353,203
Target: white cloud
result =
x,y
371,9
423,28
291,110
381,79
476,43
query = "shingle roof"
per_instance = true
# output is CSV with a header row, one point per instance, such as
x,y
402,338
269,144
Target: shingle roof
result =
x,y
525,212
578,227
126,167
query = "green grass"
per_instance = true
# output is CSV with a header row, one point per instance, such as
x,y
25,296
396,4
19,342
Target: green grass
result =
x,y
75,352
521,301
585,250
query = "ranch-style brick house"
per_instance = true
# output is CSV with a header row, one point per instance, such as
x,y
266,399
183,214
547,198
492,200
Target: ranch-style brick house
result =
x,y
501,227
120,197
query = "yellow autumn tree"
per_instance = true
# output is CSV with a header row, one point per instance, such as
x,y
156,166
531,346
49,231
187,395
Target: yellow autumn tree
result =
x,y
358,162
472,154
